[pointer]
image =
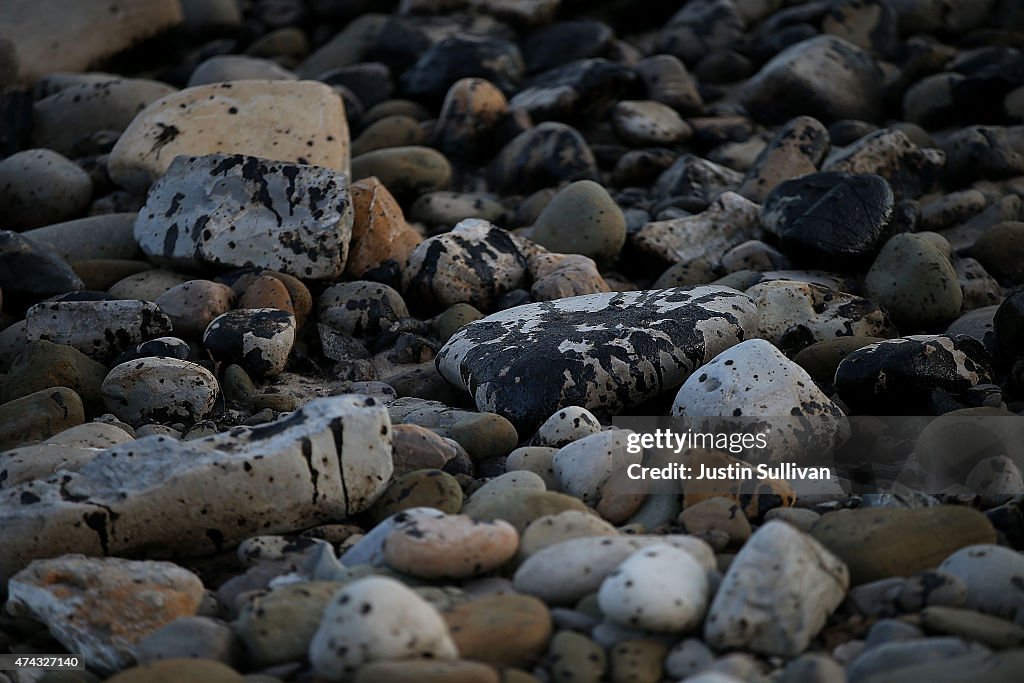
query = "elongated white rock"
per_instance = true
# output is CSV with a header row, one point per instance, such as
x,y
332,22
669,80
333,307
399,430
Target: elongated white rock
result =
x,y
329,460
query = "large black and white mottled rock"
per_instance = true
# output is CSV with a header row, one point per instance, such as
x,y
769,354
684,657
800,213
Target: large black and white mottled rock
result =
x,y
754,379
830,220
258,339
475,263
797,314
777,593
243,211
99,329
159,390
30,271
910,170
798,148
728,222
824,77
329,460
604,352
895,376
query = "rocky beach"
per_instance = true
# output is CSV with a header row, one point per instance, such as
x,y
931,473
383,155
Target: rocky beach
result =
x,y
512,341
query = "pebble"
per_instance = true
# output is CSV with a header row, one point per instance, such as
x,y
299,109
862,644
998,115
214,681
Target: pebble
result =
x,y
777,593
583,467
797,81
417,448
970,625
992,576
100,608
446,208
107,236
361,308
239,118
376,619
544,156
474,263
460,56
258,339
223,68
565,41
889,153
100,329
425,671
391,131
931,588
798,149
379,231
551,529
728,222
669,82
160,390
535,459
39,187
755,379
719,514
147,285
902,541
501,630
830,220
43,365
171,670
197,637
420,488
637,660
471,110
911,366
405,171
565,572
697,179
230,210
582,219
193,305
30,272
999,249
38,416
512,480
572,658
553,333
646,123
453,547
566,426
795,315
521,507
658,588
277,626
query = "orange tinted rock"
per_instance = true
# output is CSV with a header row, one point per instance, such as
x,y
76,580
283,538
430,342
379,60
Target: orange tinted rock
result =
x,y
379,229
267,291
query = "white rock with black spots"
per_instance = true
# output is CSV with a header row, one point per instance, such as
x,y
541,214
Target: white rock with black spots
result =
x,y
99,329
243,211
728,222
377,619
323,463
582,467
797,314
753,380
569,424
159,390
777,593
604,352
258,339
474,263
659,588
562,573
994,576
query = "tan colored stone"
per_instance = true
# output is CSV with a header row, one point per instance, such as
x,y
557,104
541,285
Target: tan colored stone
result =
x,y
266,291
295,121
502,630
452,547
426,671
